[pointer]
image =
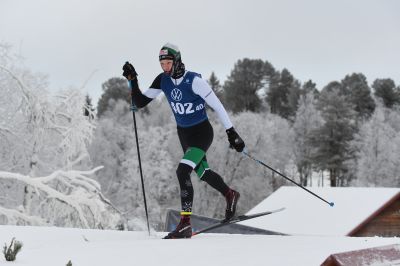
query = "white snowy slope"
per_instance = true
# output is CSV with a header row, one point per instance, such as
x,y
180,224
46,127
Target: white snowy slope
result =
x,y
51,246
306,214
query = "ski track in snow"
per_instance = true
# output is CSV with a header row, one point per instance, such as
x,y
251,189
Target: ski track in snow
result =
x,y
51,246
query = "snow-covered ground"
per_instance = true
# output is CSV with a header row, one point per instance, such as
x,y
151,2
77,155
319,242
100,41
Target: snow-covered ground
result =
x,y
51,246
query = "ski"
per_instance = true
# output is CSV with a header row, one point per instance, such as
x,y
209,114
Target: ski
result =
x,y
235,220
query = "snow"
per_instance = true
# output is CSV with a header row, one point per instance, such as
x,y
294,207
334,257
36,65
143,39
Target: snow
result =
x,y
49,246
306,214
72,199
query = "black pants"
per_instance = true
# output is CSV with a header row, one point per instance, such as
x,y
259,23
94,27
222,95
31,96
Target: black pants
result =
x,y
199,136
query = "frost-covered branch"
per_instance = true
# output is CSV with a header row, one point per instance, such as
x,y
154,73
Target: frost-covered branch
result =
x,y
74,192
20,218
20,83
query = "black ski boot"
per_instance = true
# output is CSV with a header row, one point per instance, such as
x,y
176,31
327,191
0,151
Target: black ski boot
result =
x,y
232,198
183,229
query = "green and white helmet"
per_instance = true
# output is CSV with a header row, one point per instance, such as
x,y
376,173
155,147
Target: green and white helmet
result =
x,y
170,51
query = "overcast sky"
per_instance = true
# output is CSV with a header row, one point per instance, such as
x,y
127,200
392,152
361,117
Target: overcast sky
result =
x,y
315,39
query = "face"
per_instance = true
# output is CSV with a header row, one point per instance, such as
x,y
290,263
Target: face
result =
x,y
166,65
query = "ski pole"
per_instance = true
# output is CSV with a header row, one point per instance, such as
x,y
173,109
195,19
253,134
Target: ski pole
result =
x,y
140,167
272,169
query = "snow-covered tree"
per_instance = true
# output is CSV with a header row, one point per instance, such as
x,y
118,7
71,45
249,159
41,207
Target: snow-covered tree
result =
x,y
114,147
43,138
307,119
378,147
63,198
267,137
41,133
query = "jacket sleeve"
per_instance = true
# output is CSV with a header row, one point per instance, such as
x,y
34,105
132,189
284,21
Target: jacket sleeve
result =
x,y
140,99
201,88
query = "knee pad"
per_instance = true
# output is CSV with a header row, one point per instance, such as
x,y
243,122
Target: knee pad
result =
x,y
201,169
196,159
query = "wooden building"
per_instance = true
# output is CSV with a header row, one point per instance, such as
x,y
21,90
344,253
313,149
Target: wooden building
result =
x,y
383,222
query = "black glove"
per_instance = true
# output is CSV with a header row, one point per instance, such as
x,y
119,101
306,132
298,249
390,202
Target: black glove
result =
x,y
235,140
129,71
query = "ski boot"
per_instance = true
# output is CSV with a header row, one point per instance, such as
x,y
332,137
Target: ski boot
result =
x,y
183,229
232,198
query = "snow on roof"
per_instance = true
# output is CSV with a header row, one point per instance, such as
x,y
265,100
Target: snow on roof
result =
x,y
306,214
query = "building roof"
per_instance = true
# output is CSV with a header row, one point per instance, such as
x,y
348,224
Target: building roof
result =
x,y
306,214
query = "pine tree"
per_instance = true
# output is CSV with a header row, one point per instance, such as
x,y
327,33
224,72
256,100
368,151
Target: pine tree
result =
x,y
385,90
247,79
113,89
397,91
310,86
355,86
215,85
293,99
335,86
283,94
331,140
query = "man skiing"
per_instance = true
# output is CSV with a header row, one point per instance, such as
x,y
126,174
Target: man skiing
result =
x,y
187,94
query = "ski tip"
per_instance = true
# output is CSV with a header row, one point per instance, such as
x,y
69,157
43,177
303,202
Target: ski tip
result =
x,y
332,204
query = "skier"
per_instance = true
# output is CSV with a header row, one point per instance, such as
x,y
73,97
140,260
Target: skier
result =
x,y
187,93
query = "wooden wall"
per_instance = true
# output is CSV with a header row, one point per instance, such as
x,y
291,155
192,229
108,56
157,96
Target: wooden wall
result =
x,y
385,224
